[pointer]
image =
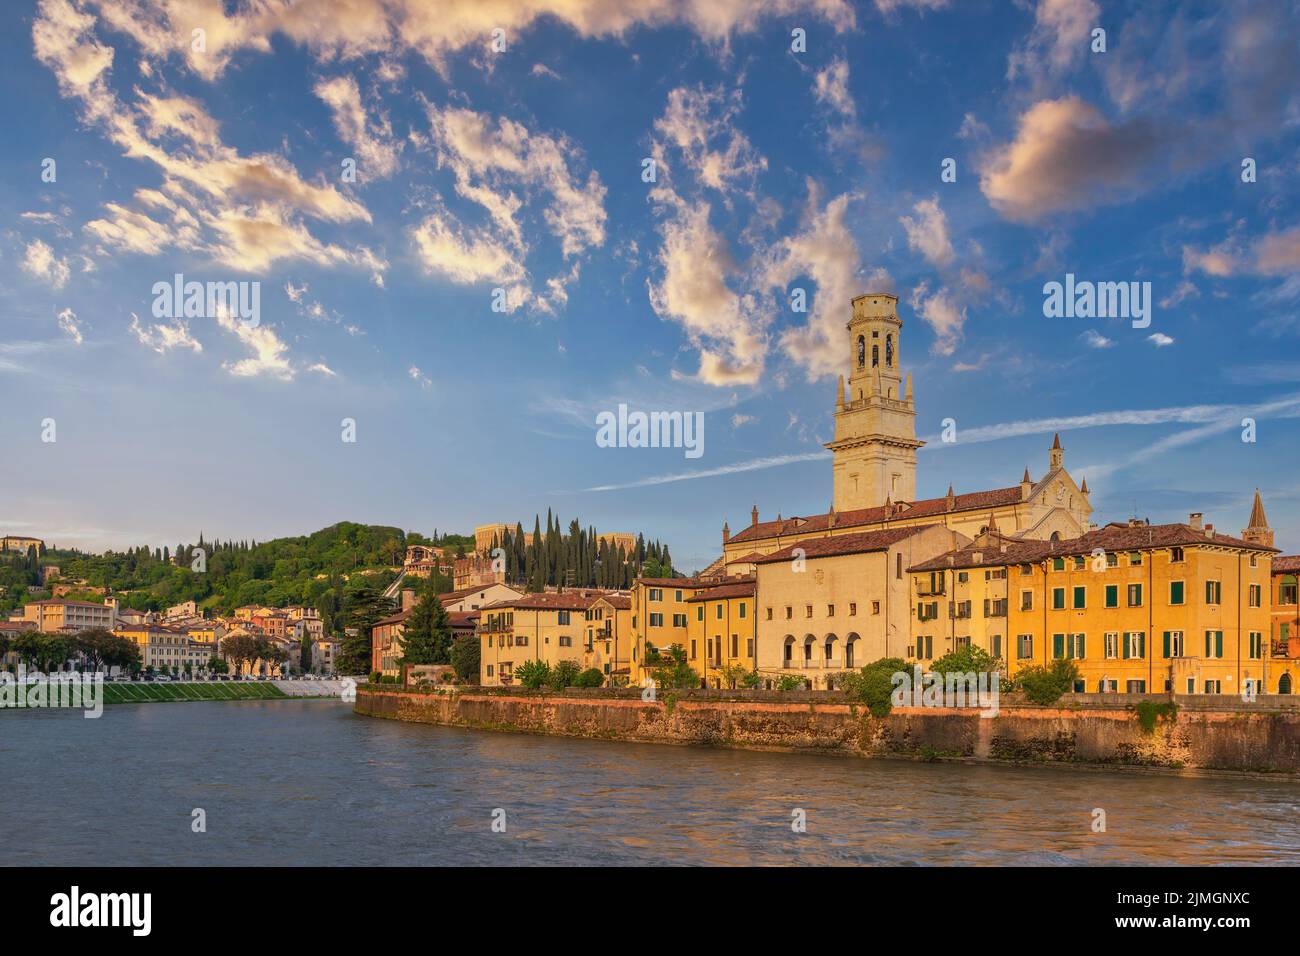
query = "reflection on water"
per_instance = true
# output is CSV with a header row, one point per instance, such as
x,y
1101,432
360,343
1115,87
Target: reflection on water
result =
x,y
308,782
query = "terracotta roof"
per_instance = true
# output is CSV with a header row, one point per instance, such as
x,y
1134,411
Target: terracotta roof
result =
x,y
841,544
563,601
452,596
746,558
463,618
1289,563
925,508
1257,518
620,602
988,550
61,601
741,587
398,618
673,582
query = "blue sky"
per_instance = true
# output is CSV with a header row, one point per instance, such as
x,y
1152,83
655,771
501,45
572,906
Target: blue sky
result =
x,y
521,170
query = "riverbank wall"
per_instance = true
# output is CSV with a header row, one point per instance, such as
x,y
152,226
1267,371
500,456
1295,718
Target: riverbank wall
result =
x,y
1204,734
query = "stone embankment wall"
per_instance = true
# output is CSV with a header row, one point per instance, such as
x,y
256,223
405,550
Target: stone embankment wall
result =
x,y
1264,738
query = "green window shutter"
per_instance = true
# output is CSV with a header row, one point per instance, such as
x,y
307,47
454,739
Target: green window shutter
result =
x,y
1218,644
1112,595
1166,643
1126,645
1058,646
1082,651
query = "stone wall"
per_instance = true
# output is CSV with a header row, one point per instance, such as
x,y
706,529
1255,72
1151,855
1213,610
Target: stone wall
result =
x,y
1263,740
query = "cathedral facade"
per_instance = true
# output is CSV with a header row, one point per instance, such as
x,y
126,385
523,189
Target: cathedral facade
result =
x,y
874,466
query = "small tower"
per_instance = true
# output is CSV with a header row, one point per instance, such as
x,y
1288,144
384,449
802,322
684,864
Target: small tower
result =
x,y
1026,486
1057,455
1258,531
754,515
726,532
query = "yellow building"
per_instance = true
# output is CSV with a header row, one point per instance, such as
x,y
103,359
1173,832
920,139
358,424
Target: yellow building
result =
x,y
659,616
550,627
721,632
827,605
56,614
166,648
1140,608
607,640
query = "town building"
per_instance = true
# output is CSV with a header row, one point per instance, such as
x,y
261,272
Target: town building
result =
x,y
721,632
550,627
18,542
659,618
55,614
831,604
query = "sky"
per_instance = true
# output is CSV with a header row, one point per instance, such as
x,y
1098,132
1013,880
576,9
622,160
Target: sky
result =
x,y
476,226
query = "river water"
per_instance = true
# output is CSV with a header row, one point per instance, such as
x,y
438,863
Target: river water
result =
x,y
309,782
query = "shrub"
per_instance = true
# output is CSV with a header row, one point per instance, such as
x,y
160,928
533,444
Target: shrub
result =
x,y
966,660
465,657
1045,685
564,674
790,682
678,674
1149,712
374,677
591,677
751,680
874,684
533,674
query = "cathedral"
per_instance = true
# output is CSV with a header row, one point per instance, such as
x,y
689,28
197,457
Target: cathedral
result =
x,y
874,464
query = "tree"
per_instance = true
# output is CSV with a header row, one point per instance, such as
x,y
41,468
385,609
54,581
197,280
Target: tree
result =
x,y
533,674
304,655
966,660
733,674
564,674
591,677
1045,685
426,637
466,657
874,684
363,608
240,649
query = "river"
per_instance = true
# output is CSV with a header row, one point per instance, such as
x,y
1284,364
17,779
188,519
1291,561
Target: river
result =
x,y
308,782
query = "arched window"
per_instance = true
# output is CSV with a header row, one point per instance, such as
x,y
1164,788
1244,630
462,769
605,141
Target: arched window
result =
x,y
862,351
875,355
1284,685
889,351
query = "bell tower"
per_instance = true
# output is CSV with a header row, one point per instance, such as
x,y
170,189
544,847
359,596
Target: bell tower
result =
x,y
875,418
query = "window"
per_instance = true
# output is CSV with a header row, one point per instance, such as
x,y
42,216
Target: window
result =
x,y
566,641
963,642
1136,687
1079,562
1068,646
1256,645
1112,560
718,612
962,577
769,613
1214,644
1287,590
1212,686
1254,560
656,594
521,640
1135,645
925,648
489,670
561,617
1026,570
735,642
699,612
789,612
807,610
743,605
693,645
749,647
1026,600
1074,644
1058,564
875,607
1112,595
1176,554
1175,592
1105,686
1173,643
853,607
1256,595
656,619
1080,597
1135,595
679,620
898,566
1058,646
677,596
1213,592
830,610
1058,599
1135,559
1111,649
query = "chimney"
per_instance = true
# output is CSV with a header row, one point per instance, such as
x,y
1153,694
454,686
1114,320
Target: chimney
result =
x,y
408,598
1026,485
726,533
1209,531
754,514
1194,519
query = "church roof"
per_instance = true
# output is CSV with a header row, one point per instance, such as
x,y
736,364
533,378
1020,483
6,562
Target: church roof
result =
x,y
1257,519
925,508
841,544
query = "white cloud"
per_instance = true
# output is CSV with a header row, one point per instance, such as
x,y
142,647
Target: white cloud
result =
x,y
419,377
369,134
739,419
831,87
70,325
928,233
1095,340
163,338
270,355
701,126
1159,339
941,312
40,262
1058,41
